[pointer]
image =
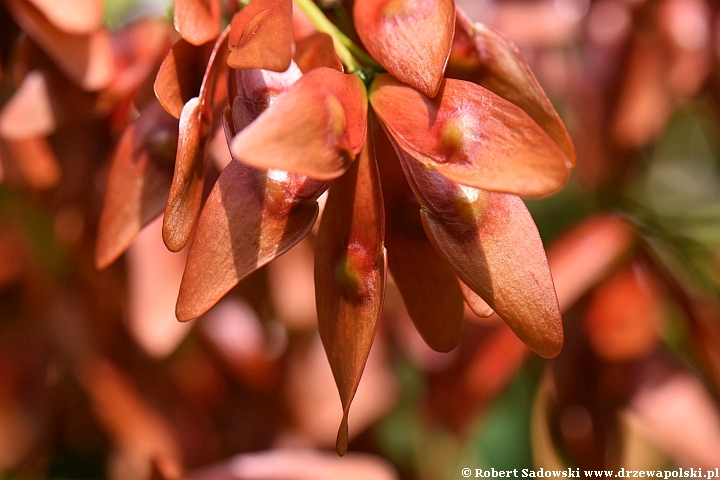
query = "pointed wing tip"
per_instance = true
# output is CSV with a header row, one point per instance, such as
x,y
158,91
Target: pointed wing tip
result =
x,y
547,188
428,87
173,240
107,252
187,306
482,311
411,40
185,313
195,36
553,189
422,83
550,346
341,444
445,348
103,259
546,339
541,330
572,155
171,109
539,188
444,345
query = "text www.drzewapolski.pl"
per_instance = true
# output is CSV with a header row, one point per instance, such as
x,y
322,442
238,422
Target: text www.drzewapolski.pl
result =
x,y
577,473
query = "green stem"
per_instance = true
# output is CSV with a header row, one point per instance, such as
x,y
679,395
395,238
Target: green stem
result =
x,y
366,59
345,48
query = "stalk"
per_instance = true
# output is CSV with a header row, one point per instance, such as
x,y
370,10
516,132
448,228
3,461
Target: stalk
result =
x,y
350,54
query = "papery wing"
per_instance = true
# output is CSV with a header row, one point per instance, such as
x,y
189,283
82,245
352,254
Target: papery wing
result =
x,y
315,128
427,284
410,38
350,273
471,136
493,245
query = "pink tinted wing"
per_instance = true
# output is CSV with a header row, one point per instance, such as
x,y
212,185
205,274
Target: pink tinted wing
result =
x,y
410,38
315,128
261,36
350,273
181,75
427,284
484,56
471,136
198,21
492,244
138,182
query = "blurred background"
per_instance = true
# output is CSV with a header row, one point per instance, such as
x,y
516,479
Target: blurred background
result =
x,y
99,380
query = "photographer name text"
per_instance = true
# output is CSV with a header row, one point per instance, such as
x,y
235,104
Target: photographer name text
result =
x,y
577,473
